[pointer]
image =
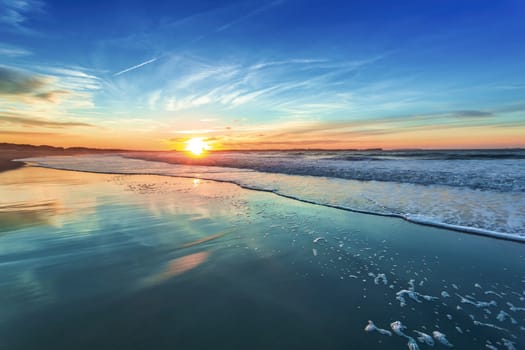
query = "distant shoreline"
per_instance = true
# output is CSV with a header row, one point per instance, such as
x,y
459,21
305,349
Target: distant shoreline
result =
x,y
9,152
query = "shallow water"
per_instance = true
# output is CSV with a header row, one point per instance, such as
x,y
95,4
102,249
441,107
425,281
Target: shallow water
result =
x,y
140,262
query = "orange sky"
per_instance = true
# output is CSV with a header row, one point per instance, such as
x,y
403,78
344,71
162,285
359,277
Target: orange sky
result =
x,y
276,138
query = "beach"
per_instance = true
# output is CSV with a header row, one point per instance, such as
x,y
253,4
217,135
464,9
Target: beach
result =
x,y
146,261
245,175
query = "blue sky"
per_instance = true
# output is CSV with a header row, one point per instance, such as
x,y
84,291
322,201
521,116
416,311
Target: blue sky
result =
x,y
245,74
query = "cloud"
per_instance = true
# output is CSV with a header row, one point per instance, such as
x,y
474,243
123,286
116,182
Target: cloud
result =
x,y
51,96
135,67
12,118
17,86
27,133
195,131
263,65
249,14
253,95
516,86
517,107
74,79
469,114
280,87
11,51
301,143
15,82
343,130
14,13
153,98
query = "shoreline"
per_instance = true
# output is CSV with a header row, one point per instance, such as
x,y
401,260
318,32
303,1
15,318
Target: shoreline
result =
x,y
10,164
461,229
10,157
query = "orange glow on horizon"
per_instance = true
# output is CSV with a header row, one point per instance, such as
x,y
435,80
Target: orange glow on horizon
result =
x,y
198,146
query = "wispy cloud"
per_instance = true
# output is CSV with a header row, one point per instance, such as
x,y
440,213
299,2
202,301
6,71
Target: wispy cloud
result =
x,y
20,86
153,98
516,86
9,118
135,67
473,114
196,131
16,82
249,14
342,133
14,13
12,51
27,133
74,79
293,86
60,98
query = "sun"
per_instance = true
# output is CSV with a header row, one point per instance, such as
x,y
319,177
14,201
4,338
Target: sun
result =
x,y
197,146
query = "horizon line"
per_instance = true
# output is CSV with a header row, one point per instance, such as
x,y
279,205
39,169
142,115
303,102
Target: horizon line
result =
x,y
368,149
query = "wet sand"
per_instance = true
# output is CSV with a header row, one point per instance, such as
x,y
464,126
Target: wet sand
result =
x,y
7,163
141,262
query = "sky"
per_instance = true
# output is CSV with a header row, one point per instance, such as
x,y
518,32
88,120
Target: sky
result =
x,y
281,74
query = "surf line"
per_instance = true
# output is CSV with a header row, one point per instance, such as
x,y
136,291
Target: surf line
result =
x,y
423,222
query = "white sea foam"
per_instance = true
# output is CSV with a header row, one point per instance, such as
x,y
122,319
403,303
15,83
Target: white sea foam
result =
x,y
502,316
476,303
508,344
441,338
493,293
424,338
379,278
412,294
398,328
371,327
489,325
412,344
515,308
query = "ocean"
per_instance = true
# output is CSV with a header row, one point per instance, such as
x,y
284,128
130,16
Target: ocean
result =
x,y
278,252
470,190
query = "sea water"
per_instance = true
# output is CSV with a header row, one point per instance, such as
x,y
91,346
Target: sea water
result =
x,y
143,261
473,191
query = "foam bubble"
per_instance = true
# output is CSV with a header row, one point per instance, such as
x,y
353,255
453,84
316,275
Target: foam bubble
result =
x,y
424,338
371,327
441,338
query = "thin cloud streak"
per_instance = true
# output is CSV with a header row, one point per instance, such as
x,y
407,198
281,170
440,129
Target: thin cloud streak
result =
x,y
27,133
24,121
250,14
10,51
135,67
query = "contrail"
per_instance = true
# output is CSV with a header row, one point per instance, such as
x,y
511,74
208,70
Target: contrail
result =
x,y
135,67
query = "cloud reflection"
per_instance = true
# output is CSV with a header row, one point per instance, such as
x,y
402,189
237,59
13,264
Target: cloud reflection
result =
x,y
19,215
177,267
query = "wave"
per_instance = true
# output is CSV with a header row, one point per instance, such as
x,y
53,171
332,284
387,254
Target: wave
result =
x,y
506,175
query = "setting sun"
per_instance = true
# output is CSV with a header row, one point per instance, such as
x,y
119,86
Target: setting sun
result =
x,y
197,146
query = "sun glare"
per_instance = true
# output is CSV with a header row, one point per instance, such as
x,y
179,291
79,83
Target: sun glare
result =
x,y
197,146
